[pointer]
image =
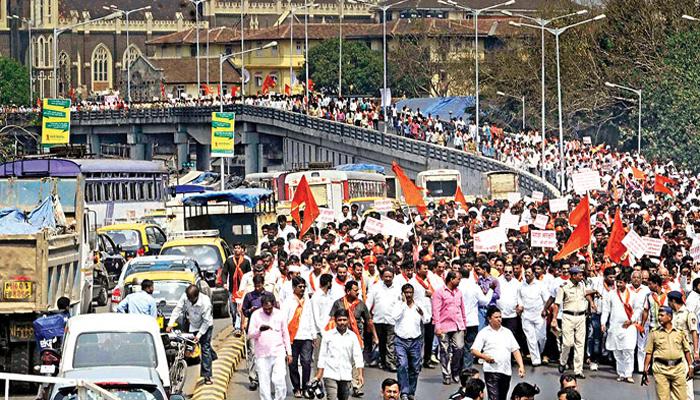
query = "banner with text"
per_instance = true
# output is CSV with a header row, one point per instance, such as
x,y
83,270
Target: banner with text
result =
x,y
222,125
545,239
55,122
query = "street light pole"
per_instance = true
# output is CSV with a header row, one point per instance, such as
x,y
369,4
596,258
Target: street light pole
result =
x,y
638,92
126,14
557,32
542,23
29,23
242,61
306,7
306,58
521,98
475,13
340,51
196,4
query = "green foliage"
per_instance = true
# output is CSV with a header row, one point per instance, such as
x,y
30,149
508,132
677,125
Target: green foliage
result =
x,y
362,68
14,82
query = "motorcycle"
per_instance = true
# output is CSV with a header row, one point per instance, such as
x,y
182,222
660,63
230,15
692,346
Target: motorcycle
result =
x,y
48,332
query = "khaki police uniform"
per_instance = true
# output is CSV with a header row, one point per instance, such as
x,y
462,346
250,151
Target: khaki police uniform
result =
x,y
686,322
668,351
571,299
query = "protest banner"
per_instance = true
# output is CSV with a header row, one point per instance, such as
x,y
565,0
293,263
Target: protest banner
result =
x,y
634,243
546,239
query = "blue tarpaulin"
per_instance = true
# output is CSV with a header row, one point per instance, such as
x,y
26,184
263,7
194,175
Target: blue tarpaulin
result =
x,y
440,106
361,168
184,189
249,197
15,221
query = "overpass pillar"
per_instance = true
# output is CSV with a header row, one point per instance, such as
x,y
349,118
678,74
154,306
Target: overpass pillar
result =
x,y
180,138
137,149
94,144
253,149
203,157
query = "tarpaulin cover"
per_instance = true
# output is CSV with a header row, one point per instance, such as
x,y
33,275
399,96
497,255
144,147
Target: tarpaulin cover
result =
x,y
249,197
440,106
13,221
48,327
184,189
361,168
206,177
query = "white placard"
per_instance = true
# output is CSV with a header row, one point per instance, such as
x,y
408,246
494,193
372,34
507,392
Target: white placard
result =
x,y
326,215
586,180
480,247
395,228
514,197
373,226
634,244
384,205
653,246
587,140
491,237
646,198
538,196
541,221
509,221
695,250
560,204
546,239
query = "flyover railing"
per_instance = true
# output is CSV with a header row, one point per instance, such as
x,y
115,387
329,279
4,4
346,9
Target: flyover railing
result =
x,y
443,154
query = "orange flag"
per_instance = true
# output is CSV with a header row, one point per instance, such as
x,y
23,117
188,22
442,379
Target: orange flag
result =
x,y
660,182
459,198
287,90
638,174
615,249
413,195
581,210
303,195
581,236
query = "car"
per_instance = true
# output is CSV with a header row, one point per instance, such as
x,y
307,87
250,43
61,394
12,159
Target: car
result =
x,y
124,382
151,264
100,284
135,239
108,340
110,255
211,252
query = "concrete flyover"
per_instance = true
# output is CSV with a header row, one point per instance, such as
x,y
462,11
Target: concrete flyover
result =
x,y
272,138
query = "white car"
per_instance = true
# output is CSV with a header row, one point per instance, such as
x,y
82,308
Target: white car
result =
x,y
114,340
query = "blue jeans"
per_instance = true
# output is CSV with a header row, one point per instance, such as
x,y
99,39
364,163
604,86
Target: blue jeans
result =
x,y
409,358
235,318
482,317
469,337
208,354
595,338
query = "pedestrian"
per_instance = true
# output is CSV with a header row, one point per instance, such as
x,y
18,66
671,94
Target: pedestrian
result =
x,y
340,355
383,299
618,313
423,293
390,389
196,307
450,319
495,344
524,391
252,301
472,389
668,347
297,309
686,322
140,302
236,265
273,351
532,296
408,342
573,300
568,394
474,297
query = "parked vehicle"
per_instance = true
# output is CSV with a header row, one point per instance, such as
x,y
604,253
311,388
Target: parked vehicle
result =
x,y
135,239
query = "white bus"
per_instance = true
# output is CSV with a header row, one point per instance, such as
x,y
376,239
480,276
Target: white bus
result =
x,y
439,184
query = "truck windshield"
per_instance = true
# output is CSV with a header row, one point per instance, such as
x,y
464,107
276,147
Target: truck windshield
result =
x,y
127,239
441,188
208,257
109,349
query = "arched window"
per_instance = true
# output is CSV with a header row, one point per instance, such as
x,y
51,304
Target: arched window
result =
x,y
48,53
64,69
40,48
130,55
35,52
101,67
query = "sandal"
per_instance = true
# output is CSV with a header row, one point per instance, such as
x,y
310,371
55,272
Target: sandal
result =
x,y
207,381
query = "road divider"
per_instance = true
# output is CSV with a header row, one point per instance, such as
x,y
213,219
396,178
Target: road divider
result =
x,y
230,351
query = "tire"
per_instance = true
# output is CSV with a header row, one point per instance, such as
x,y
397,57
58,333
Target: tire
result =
x,y
102,297
20,357
177,377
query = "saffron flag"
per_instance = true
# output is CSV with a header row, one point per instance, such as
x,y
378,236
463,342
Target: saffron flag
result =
x,y
615,250
413,195
268,83
581,236
638,174
234,91
310,85
303,195
581,210
459,198
660,184
287,90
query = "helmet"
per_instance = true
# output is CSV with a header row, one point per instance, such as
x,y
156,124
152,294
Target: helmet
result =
x,y
315,389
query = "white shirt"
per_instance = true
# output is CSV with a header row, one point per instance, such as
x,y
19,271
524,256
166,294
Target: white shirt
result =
x,y
321,304
339,353
509,296
381,301
409,323
307,327
421,298
692,303
498,344
473,298
532,296
337,289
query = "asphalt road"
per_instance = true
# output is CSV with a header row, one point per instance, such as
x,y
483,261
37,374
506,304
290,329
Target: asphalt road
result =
x,y
598,385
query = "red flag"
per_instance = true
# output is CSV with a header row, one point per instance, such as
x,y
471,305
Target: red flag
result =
x,y
615,249
459,198
268,83
310,85
660,182
234,91
303,195
581,236
162,90
638,174
581,210
218,90
287,90
413,195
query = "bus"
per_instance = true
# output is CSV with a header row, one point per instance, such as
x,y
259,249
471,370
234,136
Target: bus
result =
x,y
273,180
123,190
439,184
333,189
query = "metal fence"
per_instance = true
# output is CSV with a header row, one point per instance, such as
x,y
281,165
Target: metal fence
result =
x,y
456,158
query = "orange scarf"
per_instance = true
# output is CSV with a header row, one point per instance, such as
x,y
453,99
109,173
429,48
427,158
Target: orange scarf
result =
x,y
311,281
296,319
351,319
237,276
425,283
628,308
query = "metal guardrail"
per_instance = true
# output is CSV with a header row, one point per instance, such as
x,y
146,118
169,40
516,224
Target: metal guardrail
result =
x,y
527,181
84,387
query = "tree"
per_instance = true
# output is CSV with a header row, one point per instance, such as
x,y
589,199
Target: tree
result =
x,y
14,82
362,68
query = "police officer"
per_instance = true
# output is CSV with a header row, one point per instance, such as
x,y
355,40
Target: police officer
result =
x,y
686,322
574,300
668,346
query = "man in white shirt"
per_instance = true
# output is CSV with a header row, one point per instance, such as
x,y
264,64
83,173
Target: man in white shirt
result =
x,y
495,344
639,294
474,297
341,277
618,313
508,299
532,296
408,342
382,300
422,294
340,352
322,302
297,309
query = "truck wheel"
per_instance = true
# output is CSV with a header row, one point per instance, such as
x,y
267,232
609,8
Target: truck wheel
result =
x,y
20,357
102,296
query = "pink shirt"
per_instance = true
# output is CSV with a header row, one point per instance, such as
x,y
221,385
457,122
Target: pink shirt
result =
x,y
448,310
274,341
